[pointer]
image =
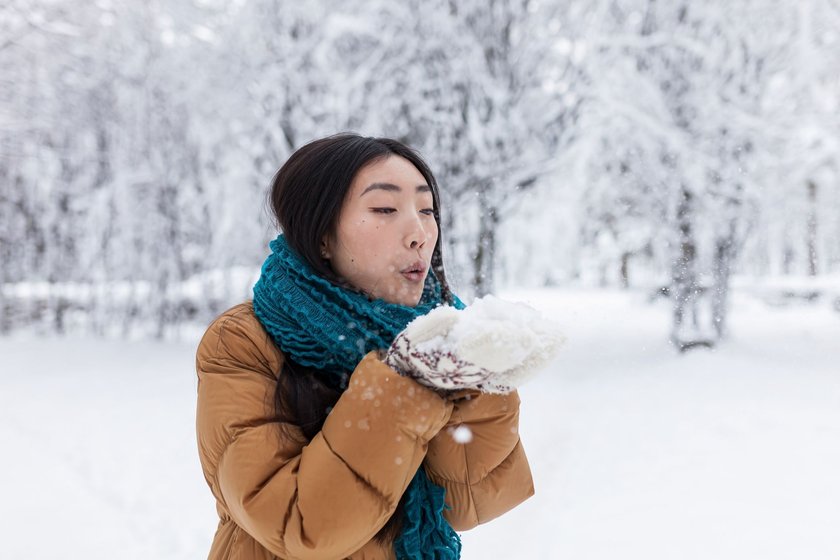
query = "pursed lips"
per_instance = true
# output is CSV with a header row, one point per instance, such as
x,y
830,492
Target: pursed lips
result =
x,y
415,271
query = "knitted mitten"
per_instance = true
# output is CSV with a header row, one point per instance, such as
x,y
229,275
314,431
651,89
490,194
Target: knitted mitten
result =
x,y
492,345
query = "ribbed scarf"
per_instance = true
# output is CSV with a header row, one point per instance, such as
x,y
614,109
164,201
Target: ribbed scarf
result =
x,y
330,328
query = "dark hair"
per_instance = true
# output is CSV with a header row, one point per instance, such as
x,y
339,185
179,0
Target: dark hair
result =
x,y
306,197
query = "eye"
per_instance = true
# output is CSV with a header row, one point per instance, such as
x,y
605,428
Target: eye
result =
x,y
384,210
428,211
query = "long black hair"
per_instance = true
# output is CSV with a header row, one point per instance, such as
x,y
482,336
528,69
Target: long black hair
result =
x,y
306,197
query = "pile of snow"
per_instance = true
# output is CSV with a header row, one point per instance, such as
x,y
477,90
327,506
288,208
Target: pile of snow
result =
x,y
637,452
507,343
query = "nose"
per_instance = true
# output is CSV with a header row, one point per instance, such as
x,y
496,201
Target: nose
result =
x,y
417,240
416,234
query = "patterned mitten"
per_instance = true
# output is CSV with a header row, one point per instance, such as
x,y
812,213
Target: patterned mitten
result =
x,y
492,345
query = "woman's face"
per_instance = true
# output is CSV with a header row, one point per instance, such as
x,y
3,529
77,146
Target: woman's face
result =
x,y
386,232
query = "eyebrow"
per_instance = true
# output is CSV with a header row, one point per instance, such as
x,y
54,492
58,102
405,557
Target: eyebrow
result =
x,y
393,188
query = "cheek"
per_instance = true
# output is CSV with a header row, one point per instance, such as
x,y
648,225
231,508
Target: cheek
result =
x,y
363,241
433,235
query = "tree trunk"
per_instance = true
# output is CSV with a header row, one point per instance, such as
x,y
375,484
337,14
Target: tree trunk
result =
x,y
788,258
623,270
684,287
812,228
484,260
5,312
724,249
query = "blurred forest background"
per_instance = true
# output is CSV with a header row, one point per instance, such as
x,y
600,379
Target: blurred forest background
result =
x,y
672,146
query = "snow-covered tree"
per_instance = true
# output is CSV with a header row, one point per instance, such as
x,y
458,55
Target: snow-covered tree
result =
x,y
628,142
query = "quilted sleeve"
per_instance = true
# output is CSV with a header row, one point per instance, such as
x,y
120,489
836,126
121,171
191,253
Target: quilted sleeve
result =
x,y
478,457
321,499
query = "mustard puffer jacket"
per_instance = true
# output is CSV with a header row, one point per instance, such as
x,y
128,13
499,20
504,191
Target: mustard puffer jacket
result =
x,y
279,496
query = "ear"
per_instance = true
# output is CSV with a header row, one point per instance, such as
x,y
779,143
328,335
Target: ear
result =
x,y
325,248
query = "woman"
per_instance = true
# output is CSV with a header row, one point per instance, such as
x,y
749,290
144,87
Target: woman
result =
x,y
313,446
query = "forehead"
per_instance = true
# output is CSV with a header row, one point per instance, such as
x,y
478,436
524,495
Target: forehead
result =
x,y
392,169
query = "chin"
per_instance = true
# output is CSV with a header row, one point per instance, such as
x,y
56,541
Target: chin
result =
x,y
402,295
410,301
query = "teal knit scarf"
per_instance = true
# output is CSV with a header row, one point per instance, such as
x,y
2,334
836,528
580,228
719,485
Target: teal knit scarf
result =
x,y
330,328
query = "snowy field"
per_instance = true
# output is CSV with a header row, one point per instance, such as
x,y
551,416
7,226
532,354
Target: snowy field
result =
x,y
637,453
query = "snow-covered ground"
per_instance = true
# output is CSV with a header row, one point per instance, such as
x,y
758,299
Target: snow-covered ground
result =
x,y
637,453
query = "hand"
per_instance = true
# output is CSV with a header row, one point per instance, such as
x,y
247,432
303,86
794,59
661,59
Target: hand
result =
x,y
493,346
418,352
